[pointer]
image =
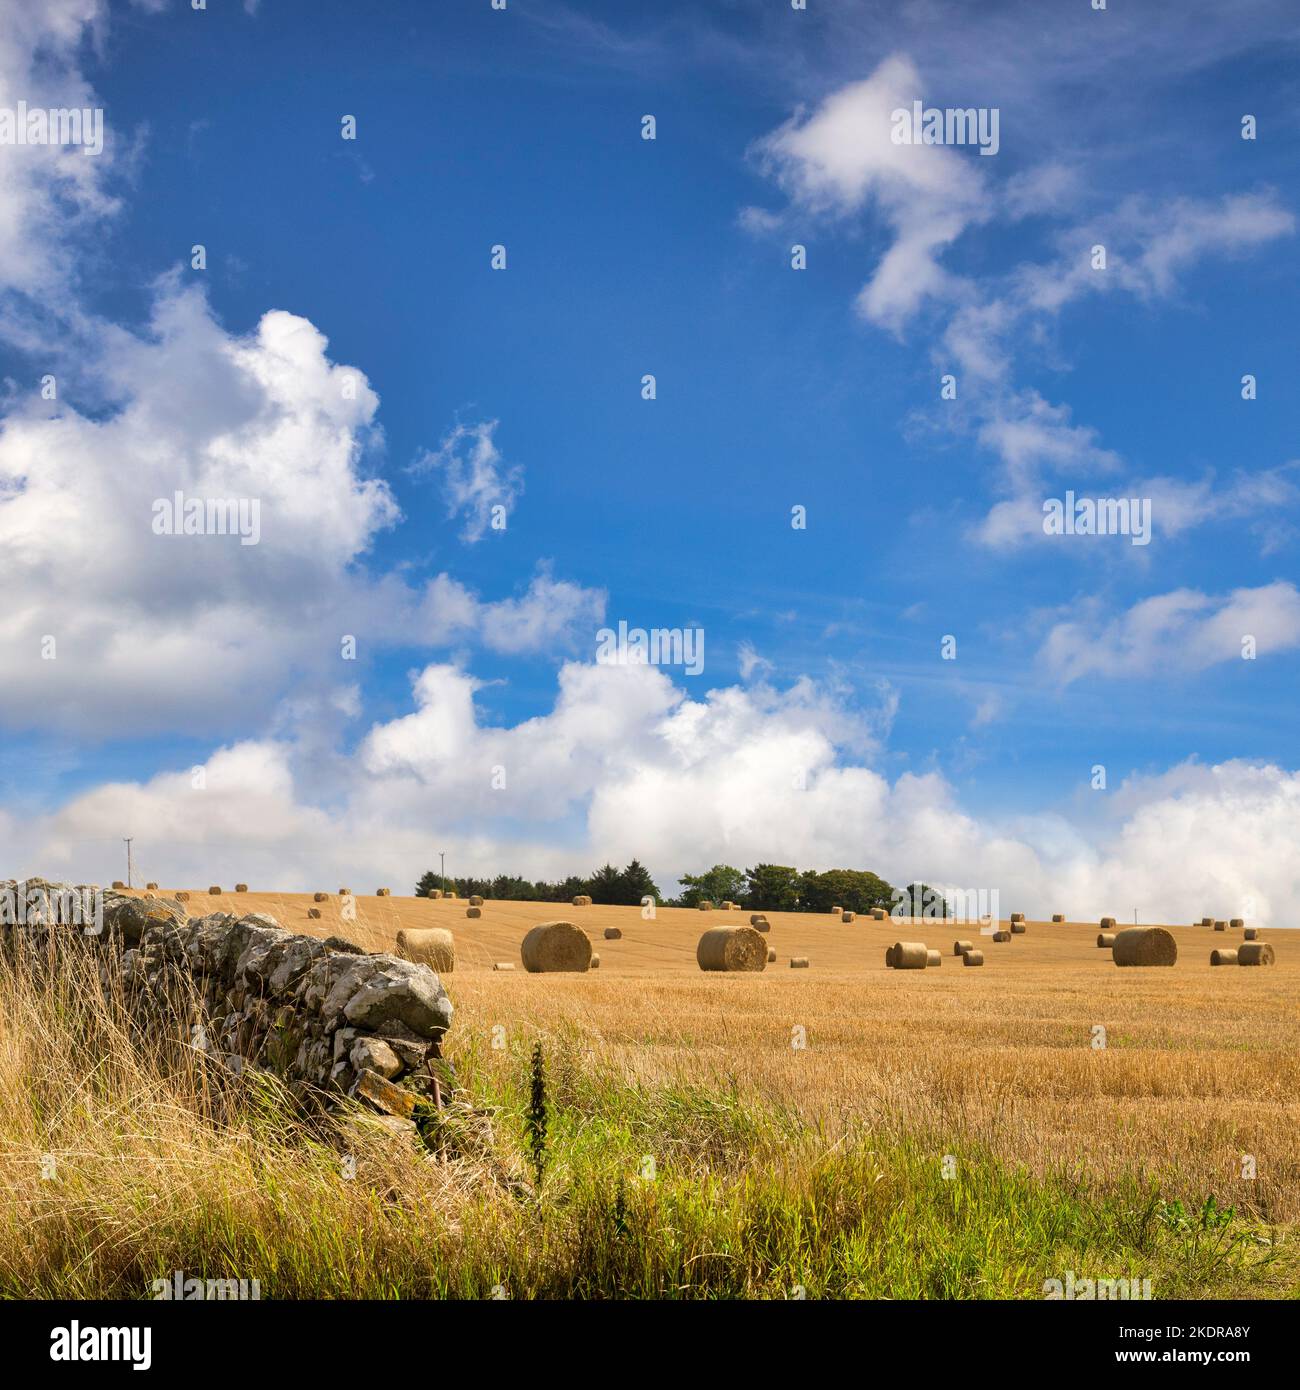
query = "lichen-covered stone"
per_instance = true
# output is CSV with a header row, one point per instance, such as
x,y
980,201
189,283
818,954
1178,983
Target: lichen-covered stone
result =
x,y
400,992
322,1015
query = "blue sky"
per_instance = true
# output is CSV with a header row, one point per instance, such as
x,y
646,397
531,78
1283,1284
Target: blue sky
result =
x,y
776,388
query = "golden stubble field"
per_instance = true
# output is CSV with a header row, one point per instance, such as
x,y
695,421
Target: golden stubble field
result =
x,y
1199,1073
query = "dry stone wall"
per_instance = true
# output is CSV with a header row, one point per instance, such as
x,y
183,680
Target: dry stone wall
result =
x,y
325,1016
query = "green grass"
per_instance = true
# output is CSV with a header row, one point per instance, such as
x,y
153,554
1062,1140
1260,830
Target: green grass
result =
x,y
745,1200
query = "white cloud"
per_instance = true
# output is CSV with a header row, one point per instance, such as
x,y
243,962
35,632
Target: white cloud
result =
x,y
841,159
551,615
989,709
1147,245
1179,505
48,193
1032,436
110,628
1178,632
475,479
156,631
625,764
1047,189
750,661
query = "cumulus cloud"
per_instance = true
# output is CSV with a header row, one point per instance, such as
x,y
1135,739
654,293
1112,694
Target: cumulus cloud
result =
x,y
156,632
551,615
120,620
626,764
153,630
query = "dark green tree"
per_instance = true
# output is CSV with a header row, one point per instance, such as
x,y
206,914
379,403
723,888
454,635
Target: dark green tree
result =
x,y
570,888
605,885
772,888
636,884
920,900
855,889
720,884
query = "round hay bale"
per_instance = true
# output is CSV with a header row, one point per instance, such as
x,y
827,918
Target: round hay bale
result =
x,y
216,888
731,949
345,892
972,958
846,916
473,912
434,893
117,883
555,947
1108,924
582,900
1207,921
450,893
889,957
383,892
1058,916
613,933
431,946
1250,933
475,900
1106,939
503,965
1001,936
150,885
933,958
759,922
798,962
705,905
241,888
910,955
878,914
1220,926
1255,953
771,956
836,910
595,963
182,897
313,912
1223,956
1018,927
1236,924
1017,916
1145,946
320,897
959,948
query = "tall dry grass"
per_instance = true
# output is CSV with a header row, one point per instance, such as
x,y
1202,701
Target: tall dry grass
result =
x,y
125,1157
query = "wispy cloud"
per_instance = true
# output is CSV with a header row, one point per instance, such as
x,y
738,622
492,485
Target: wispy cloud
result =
x,y
477,484
1174,633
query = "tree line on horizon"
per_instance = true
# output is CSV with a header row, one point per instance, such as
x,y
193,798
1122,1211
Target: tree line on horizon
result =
x,y
764,888
608,887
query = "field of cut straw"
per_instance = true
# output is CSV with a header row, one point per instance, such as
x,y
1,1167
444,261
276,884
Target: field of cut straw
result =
x,y
651,1130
